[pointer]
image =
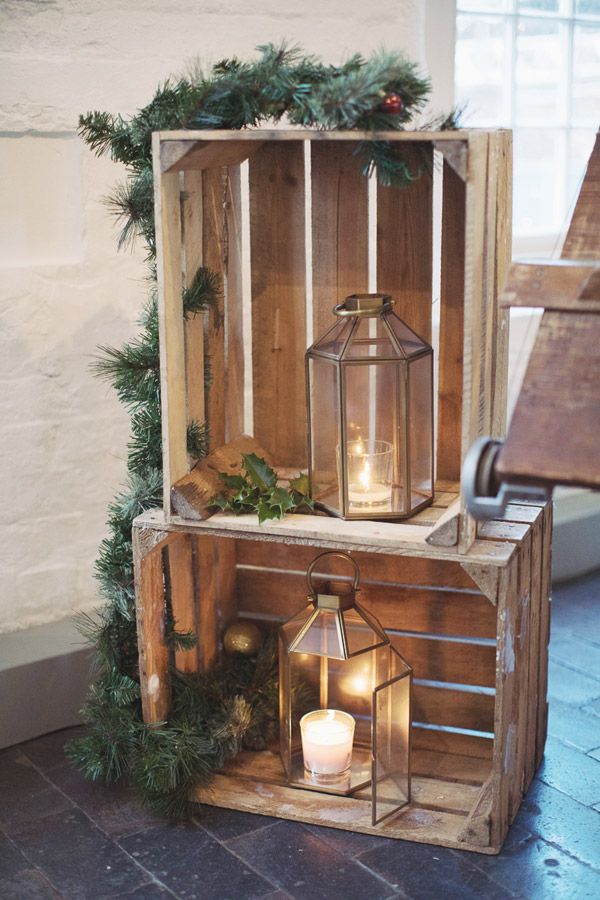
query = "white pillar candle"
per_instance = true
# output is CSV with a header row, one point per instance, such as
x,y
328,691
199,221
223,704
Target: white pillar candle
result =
x,y
327,736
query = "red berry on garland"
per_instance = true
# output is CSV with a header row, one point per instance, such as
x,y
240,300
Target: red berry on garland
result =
x,y
392,104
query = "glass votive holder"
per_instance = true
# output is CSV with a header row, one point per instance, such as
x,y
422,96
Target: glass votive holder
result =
x,y
369,467
327,736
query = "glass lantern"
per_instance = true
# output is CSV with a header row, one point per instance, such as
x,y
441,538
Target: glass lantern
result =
x,y
370,413
344,699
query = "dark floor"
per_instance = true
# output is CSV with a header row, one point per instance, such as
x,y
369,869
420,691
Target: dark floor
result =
x,y
63,837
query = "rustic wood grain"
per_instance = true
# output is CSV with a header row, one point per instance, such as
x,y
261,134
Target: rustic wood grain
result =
x,y
582,238
151,623
214,187
183,599
560,284
191,224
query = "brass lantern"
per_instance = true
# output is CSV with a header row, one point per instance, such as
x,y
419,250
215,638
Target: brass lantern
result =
x,y
344,699
370,405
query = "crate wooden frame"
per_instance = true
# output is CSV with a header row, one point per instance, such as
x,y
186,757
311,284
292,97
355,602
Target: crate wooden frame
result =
x,y
301,266
475,627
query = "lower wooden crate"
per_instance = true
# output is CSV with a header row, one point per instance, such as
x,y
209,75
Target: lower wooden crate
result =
x,y
474,627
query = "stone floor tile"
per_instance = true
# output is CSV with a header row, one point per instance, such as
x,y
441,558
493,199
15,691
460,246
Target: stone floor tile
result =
x,y
48,751
225,824
350,843
194,865
77,858
574,653
560,820
305,867
113,807
593,708
573,726
423,872
25,794
534,870
572,772
11,858
27,885
571,687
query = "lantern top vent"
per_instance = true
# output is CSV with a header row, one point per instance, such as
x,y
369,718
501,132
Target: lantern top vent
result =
x,y
368,329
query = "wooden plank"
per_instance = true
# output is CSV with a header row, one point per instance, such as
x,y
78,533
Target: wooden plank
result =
x,y
457,709
186,155
291,134
477,828
347,813
278,301
558,441
455,155
521,680
232,287
445,530
533,660
151,625
191,222
505,718
452,661
496,530
546,580
183,601
476,359
582,241
503,255
554,284
450,364
402,609
214,186
170,320
214,575
451,743
340,255
405,240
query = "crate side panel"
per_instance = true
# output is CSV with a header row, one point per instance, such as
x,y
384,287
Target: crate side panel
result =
x,y
233,290
503,260
191,223
214,186
405,240
277,204
182,598
340,209
214,576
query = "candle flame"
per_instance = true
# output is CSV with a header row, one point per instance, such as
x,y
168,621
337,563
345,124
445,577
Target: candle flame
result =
x,y
365,475
330,715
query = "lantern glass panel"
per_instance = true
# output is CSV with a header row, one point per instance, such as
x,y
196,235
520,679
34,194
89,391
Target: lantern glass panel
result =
x,y
391,747
323,636
324,404
334,340
420,380
371,339
359,633
374,438
410,342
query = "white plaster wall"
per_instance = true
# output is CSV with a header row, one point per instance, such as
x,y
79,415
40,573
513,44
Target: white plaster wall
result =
x,y
63,287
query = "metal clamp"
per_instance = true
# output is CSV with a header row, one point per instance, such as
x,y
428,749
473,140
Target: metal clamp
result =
x,y
340,555
486,497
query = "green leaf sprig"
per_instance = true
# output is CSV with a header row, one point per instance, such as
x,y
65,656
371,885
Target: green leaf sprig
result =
x,y
255,490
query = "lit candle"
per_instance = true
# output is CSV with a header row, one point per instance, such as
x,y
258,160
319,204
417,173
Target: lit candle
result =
x,y
327,736
364,491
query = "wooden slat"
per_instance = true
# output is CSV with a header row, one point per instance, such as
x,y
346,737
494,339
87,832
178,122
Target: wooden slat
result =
x,y
477,828
278,301
214,572
521,680
170,318
214,186
452,286
402,609
451,743
234,350
533,660
151,624
546,576
340,259
505,719
554,284
476,356
189,155
450,661
457,709
555,429
582,238
194,324
502,253
183,601
405,241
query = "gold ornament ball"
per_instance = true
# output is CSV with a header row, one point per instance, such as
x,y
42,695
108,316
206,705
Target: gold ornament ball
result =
x,y
242,638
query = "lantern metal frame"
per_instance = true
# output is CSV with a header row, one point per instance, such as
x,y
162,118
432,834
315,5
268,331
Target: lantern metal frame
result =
x,y
366,756
360,306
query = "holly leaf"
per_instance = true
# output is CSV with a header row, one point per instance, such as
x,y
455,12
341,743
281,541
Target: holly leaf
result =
x,y
266,511
234,482
301,500
220,502
282,500
259,472
300,484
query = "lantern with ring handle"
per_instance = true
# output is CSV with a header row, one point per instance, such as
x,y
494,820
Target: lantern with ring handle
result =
x,y
344,697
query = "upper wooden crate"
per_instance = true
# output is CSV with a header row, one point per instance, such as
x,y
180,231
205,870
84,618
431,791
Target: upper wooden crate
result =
x,y
291,225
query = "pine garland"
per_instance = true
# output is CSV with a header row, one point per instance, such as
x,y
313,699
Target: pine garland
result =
x,y
213,716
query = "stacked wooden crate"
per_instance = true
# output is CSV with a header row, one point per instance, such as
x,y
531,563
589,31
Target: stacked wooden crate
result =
x,y
292,226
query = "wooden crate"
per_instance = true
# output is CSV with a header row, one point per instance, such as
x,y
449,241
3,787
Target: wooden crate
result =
x,y
291,225
474,626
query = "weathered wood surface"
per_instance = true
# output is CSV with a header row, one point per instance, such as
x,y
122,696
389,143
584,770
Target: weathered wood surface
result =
x,y
568,285
191,495
554,436
214,191
583,236
191,225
